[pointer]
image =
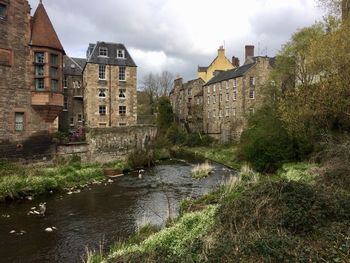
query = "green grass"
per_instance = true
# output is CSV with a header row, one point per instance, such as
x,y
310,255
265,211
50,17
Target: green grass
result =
x,y
18,181
289,217
225,155
201,170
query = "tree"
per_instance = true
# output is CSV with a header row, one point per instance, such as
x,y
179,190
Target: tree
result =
x,y
165,115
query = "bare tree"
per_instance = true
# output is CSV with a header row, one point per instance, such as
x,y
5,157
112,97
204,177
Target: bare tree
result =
x,y
166,82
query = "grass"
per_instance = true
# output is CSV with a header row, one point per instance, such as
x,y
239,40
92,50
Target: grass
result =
x,y
201,170
289,217
18,181
225,155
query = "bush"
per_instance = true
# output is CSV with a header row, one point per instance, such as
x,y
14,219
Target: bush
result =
x,y
176,135
266,144
196,139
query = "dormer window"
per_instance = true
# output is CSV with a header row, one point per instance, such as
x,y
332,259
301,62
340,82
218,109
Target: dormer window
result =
x,y
103,52
2,11
120,53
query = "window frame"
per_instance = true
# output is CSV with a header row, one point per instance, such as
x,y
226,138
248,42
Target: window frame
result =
x,y
122,73
102,91
4,14
102,110
122,110
22,123
122,52
103,52
102,72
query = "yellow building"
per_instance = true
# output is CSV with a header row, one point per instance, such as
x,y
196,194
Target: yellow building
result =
x,y
220,63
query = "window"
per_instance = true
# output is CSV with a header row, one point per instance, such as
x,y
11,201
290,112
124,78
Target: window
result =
x,y
39,57
122,124
19,121
122,73
214,88
214,113
252,81
122,94
220,86
103,52
65,103
54,72
71,121
102,125
251,111
198,101
234,95
54,60
208,100
80,118
102,93
235,83
39,70
251,94
39,84
120,53
227,111
122,110
76,84
54,85
65,82
208,114
189,92
227,96
234,112
220,97
102,72
2,11
214,99
102,110
220,113
226,84
208,89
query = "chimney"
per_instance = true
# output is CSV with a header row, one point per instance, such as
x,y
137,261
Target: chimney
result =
x,y
235,61
221,51
249,51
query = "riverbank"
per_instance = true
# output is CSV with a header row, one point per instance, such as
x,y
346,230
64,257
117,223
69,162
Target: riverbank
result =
x,y
225,155
293,215
18,181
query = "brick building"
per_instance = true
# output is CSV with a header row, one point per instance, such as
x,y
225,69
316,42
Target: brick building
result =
x,y
72,115
232,95
110,94
31,60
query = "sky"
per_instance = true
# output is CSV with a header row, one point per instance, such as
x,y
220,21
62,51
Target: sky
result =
x,y
179,35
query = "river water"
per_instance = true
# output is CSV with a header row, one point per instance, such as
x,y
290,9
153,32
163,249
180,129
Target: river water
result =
x,y
101,215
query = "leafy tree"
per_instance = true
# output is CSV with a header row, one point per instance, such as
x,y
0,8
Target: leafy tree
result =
x,y
165,115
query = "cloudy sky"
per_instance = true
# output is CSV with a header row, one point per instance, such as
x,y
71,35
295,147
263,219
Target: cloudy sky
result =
x,y
179,35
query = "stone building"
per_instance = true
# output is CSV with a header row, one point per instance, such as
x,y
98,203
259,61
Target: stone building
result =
x,y
31,59
109,79
220,63
186,100
232,95
72,116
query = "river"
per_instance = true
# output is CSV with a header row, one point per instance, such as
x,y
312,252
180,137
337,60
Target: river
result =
x,y
102,214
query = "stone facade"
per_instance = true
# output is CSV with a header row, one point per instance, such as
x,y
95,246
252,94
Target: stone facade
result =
x,y
187,102
31,74
110,94
220,63
72,116
233,95
116,143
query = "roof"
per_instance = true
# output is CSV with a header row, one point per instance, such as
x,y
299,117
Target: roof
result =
x,y
43,33
230,74
73,66
237,72
112,59
202,69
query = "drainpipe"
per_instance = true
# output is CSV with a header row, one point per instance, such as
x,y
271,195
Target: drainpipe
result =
x,y
110,96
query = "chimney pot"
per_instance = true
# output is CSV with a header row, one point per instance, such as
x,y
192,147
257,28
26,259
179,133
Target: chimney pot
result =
x,y
235,61
249,51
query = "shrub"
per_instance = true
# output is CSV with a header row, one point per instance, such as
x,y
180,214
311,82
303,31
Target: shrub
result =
x,y
176,135
196,139
201,170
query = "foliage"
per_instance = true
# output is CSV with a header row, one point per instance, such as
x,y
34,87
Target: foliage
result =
x,y
165,114
266,144
196,139
139,159
176,135
201,170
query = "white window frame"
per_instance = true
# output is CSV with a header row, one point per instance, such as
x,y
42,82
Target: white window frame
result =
x,y
103,52
122,53
122,94
102,91
122,73
214,99
19,121
102,72
252,94
234,97
100,111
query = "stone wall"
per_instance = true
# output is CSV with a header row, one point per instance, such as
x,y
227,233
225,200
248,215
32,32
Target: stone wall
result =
x,y
69,150
109,144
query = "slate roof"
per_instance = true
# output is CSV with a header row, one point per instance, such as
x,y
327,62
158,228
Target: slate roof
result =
x,y
112,55
237,72
43,33
202,69
73,66
230,74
